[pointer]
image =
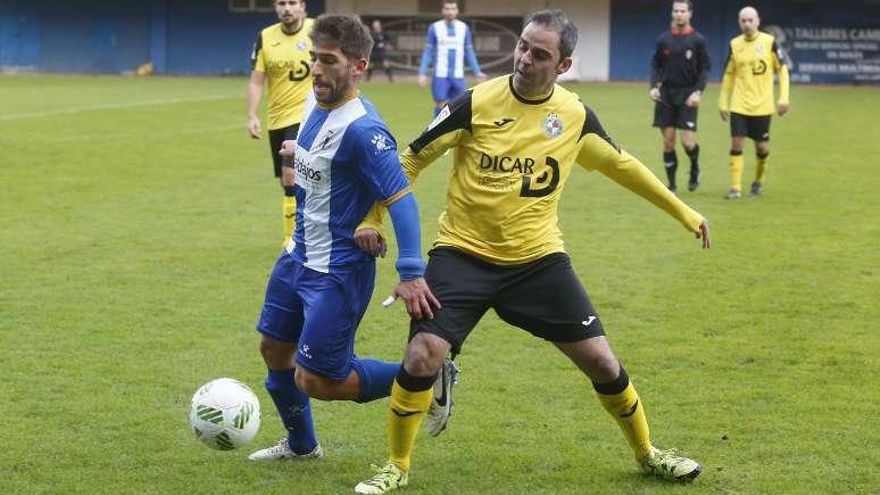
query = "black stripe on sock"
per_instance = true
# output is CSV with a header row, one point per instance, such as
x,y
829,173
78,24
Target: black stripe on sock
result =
x,y
414,383
614,387
288,190
762,155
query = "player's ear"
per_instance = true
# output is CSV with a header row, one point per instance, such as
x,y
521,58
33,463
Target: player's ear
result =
x,y
564,66
360,66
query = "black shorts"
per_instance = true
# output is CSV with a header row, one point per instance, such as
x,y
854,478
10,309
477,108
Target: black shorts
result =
x,y
679,116
276,136
756,127
543,297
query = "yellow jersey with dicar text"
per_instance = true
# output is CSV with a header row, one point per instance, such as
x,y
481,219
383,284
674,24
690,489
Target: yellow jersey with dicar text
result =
x,y
286,61
512,158
747,85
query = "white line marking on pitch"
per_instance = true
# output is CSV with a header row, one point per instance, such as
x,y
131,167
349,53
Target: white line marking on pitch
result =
x,y
115,106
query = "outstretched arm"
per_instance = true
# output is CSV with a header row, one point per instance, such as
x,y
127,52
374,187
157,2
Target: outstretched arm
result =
x,y
412,288
599,152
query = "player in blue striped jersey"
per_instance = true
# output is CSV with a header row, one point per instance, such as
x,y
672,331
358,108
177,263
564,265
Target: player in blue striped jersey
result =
x,y
345,159
447,45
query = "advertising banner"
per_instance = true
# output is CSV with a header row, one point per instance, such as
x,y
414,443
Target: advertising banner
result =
x,y
830,54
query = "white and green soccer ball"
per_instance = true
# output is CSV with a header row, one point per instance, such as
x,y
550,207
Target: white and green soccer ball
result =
x,y
225,414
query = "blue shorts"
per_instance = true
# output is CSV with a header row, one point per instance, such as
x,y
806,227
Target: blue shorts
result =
x,y
446,88
319,312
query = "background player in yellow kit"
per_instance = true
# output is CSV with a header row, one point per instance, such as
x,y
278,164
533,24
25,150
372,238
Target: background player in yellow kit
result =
x,y
281,57
747,97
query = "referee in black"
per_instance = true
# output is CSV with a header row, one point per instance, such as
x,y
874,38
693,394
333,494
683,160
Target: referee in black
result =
x,y
679,70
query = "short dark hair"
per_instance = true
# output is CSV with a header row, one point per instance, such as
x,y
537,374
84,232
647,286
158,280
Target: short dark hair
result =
x,y
559,22
345,30
688,2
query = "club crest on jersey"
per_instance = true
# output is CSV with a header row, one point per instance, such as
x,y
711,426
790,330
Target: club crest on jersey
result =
x,y
688,54
301,45
759,48
552,125
380,143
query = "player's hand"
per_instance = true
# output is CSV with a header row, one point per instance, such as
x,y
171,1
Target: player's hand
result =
x,y
782,108
288,148
423,81
417,296
654,94
724,115
254,127
703,234
371,242
481,77
694,99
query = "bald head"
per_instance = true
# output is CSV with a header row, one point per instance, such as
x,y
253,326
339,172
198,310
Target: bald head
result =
x,y
749,21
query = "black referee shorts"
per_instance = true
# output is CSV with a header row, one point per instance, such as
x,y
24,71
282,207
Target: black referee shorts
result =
x,y
543,297
680,116
756,127
276,137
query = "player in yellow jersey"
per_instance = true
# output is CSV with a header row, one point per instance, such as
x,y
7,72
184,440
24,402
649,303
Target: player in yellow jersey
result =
x,y
747,97
516,139
281,58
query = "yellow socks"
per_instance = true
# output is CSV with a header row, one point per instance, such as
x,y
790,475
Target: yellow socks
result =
x,y
736,170
621,400
404,419
761,169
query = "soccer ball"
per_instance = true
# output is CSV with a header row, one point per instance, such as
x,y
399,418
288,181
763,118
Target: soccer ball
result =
x,y
225,414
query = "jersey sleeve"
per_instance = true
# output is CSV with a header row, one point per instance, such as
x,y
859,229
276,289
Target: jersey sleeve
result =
x,y
657,65
782,70
470,53
705,64
726,82
451,125
428,52
599,152
375,152
257,62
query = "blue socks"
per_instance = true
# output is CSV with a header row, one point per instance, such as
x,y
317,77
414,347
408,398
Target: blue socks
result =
x,y
376,378
295,410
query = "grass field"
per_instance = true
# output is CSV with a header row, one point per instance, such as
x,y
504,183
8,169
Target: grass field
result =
x,y
139,224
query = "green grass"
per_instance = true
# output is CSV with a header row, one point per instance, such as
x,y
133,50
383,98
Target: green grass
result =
x,y
139,224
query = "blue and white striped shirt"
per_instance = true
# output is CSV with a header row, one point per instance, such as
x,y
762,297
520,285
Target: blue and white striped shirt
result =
x,y
447,46
345,161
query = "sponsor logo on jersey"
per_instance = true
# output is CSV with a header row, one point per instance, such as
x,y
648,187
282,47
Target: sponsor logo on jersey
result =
x,y
503,163
304,172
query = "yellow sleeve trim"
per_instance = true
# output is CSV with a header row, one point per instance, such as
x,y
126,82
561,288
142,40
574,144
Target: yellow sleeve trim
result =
x,y
403,192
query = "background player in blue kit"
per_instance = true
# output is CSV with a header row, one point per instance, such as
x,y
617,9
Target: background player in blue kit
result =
x,y
447,45
345,159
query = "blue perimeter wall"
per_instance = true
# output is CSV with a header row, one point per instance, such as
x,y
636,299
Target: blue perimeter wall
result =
x,y
108,36
204,37
635,25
